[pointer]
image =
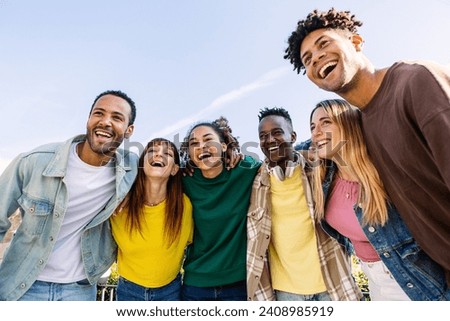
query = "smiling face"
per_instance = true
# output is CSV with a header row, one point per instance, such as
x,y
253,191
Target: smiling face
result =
x,y
276,139
206,149
160,161
107,127
331,58
325,134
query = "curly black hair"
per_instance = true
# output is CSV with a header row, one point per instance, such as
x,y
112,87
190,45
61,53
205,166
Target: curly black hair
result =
x,y
221,127
275,111
331,19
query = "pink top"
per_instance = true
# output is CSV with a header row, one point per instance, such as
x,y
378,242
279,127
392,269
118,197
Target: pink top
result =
x,y
339,214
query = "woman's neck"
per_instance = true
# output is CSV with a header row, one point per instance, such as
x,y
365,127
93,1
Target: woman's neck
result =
x,y
346,173
155,191
212,172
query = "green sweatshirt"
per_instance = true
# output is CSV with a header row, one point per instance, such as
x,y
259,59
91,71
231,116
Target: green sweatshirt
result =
x,y
217,255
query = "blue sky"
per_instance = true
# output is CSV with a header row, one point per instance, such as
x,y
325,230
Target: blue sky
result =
x,y
181,61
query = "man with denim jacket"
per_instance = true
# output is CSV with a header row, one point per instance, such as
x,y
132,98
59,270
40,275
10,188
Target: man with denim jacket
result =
x,y
65,193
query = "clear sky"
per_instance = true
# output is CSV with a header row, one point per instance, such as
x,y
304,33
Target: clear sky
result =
x,y
181,61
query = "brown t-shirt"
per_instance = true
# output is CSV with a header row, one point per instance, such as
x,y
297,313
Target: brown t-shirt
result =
x,y
407,130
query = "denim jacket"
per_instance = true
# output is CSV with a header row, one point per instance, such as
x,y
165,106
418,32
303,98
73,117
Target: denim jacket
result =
x,y
418,275
34,184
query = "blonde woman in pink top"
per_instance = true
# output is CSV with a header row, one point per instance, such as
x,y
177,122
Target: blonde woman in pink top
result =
x,y
352,206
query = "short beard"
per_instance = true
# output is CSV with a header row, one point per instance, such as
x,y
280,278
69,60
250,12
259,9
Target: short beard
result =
x,y
108,149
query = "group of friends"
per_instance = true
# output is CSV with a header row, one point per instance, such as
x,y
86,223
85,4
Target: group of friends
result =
x,y
203,222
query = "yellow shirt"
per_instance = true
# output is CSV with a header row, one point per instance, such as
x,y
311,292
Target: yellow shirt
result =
x,y
293,256
146,260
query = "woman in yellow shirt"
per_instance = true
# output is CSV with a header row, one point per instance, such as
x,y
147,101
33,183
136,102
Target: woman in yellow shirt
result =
x,y
153,228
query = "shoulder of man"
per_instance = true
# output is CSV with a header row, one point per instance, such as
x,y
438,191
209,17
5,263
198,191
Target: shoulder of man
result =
x,y
130,158
418,66
55,147
250,162
426,68
49,148
303,145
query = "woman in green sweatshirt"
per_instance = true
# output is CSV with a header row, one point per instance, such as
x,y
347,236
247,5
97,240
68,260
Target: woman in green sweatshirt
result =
x,y
215,266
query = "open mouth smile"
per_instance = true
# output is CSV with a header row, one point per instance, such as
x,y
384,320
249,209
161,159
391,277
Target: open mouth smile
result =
x,y
103,133
157,164
320,144
204,156
327,69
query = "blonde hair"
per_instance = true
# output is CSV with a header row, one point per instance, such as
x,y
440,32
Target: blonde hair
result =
x,y
372,196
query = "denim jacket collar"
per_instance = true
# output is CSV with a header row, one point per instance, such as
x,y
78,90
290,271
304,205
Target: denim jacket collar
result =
x,y
330,170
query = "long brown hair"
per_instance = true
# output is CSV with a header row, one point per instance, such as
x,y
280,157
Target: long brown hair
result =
x,y
174,199
353,153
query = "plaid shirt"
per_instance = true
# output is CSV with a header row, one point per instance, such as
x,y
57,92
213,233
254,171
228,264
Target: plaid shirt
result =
x,y
335,264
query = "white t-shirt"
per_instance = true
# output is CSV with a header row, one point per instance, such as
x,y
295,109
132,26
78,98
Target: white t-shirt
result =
x,y
89,189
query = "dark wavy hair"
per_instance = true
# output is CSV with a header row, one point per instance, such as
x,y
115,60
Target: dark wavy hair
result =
x,y
331,19
174,199
221,128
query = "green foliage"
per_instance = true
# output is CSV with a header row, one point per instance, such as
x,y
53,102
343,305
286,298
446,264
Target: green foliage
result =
x,y
114,277
106,292
360,278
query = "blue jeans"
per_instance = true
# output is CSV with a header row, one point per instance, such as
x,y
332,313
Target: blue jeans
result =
x,y
232,292
49,291
129,291
286,296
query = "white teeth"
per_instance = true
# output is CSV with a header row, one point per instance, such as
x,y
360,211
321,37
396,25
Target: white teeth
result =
x,y
102,133
204,155
321,143
324,68
270,149
157,164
